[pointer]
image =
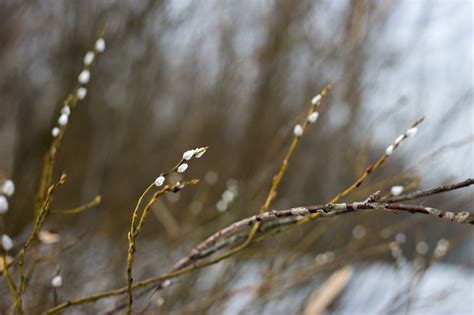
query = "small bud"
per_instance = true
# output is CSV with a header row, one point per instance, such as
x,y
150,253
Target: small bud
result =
x,y
100,45
3,204
298,131
389,150
84,76
89,58
313,117
63,120
166,284
399,139
182,168
316,99
199,152
412,131
159,181
7,242
81,93
8,188
48,237
396,190
57,281
188,155
55,132
66,110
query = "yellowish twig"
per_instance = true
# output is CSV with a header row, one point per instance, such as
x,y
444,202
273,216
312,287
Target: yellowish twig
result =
x,y
97,200
137,224
11,284
370,169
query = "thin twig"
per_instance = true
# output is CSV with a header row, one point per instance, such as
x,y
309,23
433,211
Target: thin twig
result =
x,y
424,193
11,284
95,202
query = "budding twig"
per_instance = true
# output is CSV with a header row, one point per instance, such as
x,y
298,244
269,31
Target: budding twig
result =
x,y
137,224
424,193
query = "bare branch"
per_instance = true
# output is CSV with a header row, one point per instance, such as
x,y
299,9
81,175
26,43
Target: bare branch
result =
x,y
424,193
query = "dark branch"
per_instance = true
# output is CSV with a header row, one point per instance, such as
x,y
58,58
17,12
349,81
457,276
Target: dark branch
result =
x,y
429,192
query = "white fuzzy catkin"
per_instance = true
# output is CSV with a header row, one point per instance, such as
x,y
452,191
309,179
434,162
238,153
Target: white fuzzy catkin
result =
x,y
389,150
55,132
228,196
221,205
396,190
313,117
81,93
100,45
182,168
298,130
66,110
3,204
57,281
89,58
188,155
399,139
8,188
199,152
412,131
316,99
7,242
166,284
63,120
84,76
159,181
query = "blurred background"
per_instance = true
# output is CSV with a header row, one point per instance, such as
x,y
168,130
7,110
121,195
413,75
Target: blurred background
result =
x,y
237,76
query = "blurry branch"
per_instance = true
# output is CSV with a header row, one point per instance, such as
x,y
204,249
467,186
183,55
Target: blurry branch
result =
x,y
305,272
97,200
276,217
20,258
46,187
47,258
44,211
321,298
11,285
70,104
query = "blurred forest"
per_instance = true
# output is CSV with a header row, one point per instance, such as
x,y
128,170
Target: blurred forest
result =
x,y
236,76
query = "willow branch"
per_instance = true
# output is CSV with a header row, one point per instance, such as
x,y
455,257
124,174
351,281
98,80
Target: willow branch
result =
x,y
425,193
192,261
